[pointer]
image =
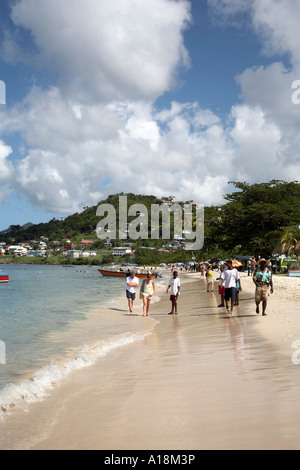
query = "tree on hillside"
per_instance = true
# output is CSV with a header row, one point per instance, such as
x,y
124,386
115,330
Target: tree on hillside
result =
x,y
255,215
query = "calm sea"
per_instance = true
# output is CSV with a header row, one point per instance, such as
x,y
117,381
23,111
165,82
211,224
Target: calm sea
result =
x,y
51,324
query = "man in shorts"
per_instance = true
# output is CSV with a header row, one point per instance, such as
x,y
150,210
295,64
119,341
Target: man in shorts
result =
x,y
131,288
231,276
174,283
262,278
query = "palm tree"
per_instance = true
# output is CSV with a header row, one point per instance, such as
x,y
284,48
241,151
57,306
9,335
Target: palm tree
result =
x,y
290,241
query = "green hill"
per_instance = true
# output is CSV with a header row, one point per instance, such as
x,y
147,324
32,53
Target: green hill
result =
x,y
250,222
74,227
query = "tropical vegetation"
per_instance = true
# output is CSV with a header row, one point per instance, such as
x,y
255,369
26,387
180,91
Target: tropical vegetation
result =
x,y
256,219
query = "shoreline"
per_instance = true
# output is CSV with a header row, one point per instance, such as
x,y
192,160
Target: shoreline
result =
x,y
215,384
82,347
216,381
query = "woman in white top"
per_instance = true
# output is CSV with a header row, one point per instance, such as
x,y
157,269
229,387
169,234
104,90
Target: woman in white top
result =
x,y
147,291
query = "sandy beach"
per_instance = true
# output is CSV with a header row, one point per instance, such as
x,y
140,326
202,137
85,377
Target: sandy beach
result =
x,y
199,380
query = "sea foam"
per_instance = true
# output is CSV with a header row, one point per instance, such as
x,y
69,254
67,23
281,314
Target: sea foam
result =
x,y
37,388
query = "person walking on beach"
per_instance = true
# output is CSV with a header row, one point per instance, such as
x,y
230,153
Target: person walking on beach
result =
x,y
131,288
202,269
253,264
262,278
221,286
237,295
231,276
147,291
249,266
209,279
174,284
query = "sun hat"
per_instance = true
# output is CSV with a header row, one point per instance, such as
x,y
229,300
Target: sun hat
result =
x,y
262,260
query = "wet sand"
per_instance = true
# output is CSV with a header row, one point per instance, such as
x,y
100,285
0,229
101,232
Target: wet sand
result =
x,y
200,380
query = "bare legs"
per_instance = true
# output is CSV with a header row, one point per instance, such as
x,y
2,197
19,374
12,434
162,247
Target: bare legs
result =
x,y
264,306
211,286
130,305
174,307
146,306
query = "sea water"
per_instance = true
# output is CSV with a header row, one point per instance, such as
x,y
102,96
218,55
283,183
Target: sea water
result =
x,y
44,328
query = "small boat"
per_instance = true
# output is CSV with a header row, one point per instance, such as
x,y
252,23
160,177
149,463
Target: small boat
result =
x,y
293,273
107,272
4,278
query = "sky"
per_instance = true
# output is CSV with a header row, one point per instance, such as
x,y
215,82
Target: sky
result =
x,y
160,97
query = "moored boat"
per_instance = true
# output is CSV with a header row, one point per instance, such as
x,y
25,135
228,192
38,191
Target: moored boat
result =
x,y
107,272
4,278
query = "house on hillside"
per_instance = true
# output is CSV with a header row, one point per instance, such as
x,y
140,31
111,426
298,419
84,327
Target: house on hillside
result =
x,y
17,250
37,253
68,244
75,254
122,251
86,243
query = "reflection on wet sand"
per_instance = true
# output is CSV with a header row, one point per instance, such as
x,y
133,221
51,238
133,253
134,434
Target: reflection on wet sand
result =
x,y
201,380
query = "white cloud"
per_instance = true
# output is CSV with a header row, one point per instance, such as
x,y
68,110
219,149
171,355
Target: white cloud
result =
x,y
107,50
78,153
277,22
5,165
6,171
97,132
265,126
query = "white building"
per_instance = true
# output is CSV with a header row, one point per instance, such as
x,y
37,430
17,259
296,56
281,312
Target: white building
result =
x,y
72,254
17,250
121,251
34,253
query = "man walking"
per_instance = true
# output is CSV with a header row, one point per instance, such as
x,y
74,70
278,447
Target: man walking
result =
x,y
174,284
231,276
131,288
262,278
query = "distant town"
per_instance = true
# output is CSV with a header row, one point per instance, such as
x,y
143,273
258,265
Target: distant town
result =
x,y
258,220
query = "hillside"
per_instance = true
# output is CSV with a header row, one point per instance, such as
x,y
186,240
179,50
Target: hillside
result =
x,y
75,226
250,222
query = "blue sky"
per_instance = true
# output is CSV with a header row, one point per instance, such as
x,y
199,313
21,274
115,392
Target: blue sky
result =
x,y
156,97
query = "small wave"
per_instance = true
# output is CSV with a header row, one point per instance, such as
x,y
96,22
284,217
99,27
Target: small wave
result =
x,y
37,388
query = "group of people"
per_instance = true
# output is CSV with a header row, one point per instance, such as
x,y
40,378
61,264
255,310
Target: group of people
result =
x,y
147,291
229,287
230,284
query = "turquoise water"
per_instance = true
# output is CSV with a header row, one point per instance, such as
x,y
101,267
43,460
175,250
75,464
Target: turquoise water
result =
x,y
40,303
